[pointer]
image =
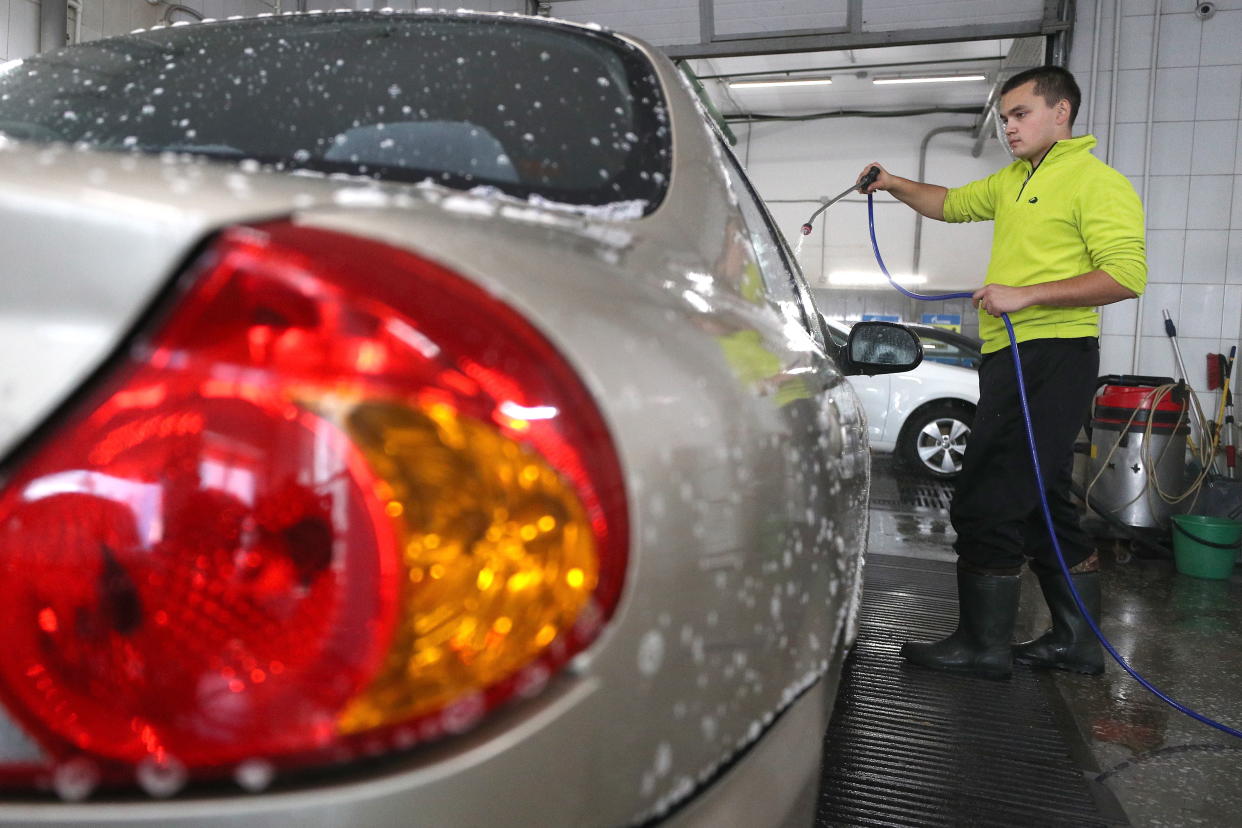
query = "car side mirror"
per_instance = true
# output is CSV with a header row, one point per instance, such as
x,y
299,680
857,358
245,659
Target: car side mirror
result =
x,y
881,348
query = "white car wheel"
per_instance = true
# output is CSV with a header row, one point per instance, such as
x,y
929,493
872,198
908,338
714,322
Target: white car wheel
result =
x,y
935,440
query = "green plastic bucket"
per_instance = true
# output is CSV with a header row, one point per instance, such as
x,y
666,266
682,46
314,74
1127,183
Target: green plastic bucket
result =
x,y
1205,547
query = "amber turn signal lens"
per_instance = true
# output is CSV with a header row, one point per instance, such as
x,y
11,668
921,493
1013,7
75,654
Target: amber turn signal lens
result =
x,y
498,553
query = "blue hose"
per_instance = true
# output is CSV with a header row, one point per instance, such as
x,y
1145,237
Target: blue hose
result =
x,y
1039,482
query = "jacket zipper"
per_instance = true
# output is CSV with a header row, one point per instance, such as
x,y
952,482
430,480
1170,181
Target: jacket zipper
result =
x,y
1031,174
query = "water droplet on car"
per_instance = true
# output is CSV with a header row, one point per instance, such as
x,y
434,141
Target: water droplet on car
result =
x,y
532,680
254,775
161,779
650,653
664,759
464,713
75,779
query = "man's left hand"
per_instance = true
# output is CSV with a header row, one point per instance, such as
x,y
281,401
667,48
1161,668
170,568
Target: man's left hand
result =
x,y
998,299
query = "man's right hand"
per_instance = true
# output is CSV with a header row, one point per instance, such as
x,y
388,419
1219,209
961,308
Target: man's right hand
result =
x,y
927,199
884,181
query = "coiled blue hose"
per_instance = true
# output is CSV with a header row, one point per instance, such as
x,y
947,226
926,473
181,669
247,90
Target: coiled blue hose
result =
x,y
1039,482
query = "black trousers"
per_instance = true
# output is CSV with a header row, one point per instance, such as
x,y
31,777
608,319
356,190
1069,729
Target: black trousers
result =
x,y
996,510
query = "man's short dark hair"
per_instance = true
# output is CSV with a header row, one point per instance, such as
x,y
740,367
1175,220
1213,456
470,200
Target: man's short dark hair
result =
x,y
1052,83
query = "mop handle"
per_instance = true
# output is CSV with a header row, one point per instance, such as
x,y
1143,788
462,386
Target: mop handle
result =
x,y
1171,330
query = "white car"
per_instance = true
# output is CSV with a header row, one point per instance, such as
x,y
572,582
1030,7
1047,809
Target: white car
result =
x,y
924,415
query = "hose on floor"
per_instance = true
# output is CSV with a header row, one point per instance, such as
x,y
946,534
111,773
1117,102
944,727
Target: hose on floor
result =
x,y
1039,482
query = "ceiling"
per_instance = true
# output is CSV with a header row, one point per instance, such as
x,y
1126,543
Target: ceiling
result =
x,y
852,72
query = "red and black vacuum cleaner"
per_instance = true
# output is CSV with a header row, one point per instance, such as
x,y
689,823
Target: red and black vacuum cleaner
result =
x,y
1139,428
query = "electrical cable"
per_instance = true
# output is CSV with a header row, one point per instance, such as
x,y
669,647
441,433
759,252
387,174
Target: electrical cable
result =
x,y
1039,477
754,117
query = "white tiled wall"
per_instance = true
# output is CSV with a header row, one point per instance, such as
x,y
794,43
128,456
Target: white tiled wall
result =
x,y
1194,198
19,22
19,25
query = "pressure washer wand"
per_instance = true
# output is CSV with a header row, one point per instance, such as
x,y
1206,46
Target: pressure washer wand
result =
x,y
1171,330
863,183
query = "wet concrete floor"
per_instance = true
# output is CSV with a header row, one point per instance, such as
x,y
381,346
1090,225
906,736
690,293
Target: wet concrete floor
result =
x,y
1183,634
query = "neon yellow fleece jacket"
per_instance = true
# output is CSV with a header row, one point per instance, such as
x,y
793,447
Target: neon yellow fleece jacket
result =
x,y
1071,215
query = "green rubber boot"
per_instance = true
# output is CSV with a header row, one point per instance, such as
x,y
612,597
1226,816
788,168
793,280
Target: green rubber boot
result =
x,y
987,609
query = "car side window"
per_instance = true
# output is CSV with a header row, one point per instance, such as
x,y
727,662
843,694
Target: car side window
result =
x,y
938,350
780,271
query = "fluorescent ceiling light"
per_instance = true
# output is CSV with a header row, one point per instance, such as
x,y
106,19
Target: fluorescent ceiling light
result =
x,y
861,278
936,79
756,84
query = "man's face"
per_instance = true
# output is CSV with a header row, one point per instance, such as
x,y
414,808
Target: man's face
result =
x,y
1031,125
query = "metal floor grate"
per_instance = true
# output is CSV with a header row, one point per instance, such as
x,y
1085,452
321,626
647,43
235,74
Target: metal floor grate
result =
x,y
904,493
912,747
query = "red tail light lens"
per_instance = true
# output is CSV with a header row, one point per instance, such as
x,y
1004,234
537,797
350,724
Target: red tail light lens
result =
x,y
339,494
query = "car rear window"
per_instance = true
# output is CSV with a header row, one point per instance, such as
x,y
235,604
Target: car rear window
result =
x,y
464,100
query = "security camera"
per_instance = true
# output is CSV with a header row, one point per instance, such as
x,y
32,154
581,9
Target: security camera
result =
x,y
1204,11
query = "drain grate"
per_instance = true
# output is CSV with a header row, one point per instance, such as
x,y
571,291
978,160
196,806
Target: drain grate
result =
x,y
912,747
905,495
925,494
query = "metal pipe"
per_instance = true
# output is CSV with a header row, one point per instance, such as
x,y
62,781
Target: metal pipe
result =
x,y
1151,116
1095,63
173,8
1112,95
853,113
853,68
918,217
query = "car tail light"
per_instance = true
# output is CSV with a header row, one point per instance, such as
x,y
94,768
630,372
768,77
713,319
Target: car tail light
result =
x,y
338,499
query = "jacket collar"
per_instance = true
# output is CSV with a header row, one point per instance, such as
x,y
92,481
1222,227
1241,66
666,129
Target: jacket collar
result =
x,y
1066,148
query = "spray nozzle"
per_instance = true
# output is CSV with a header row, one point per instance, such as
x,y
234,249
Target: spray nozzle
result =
x,y
863,183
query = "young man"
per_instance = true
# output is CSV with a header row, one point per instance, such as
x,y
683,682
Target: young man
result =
x,y
1068,237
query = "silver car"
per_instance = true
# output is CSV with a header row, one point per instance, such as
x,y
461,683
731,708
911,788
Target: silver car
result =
x,y
409,419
